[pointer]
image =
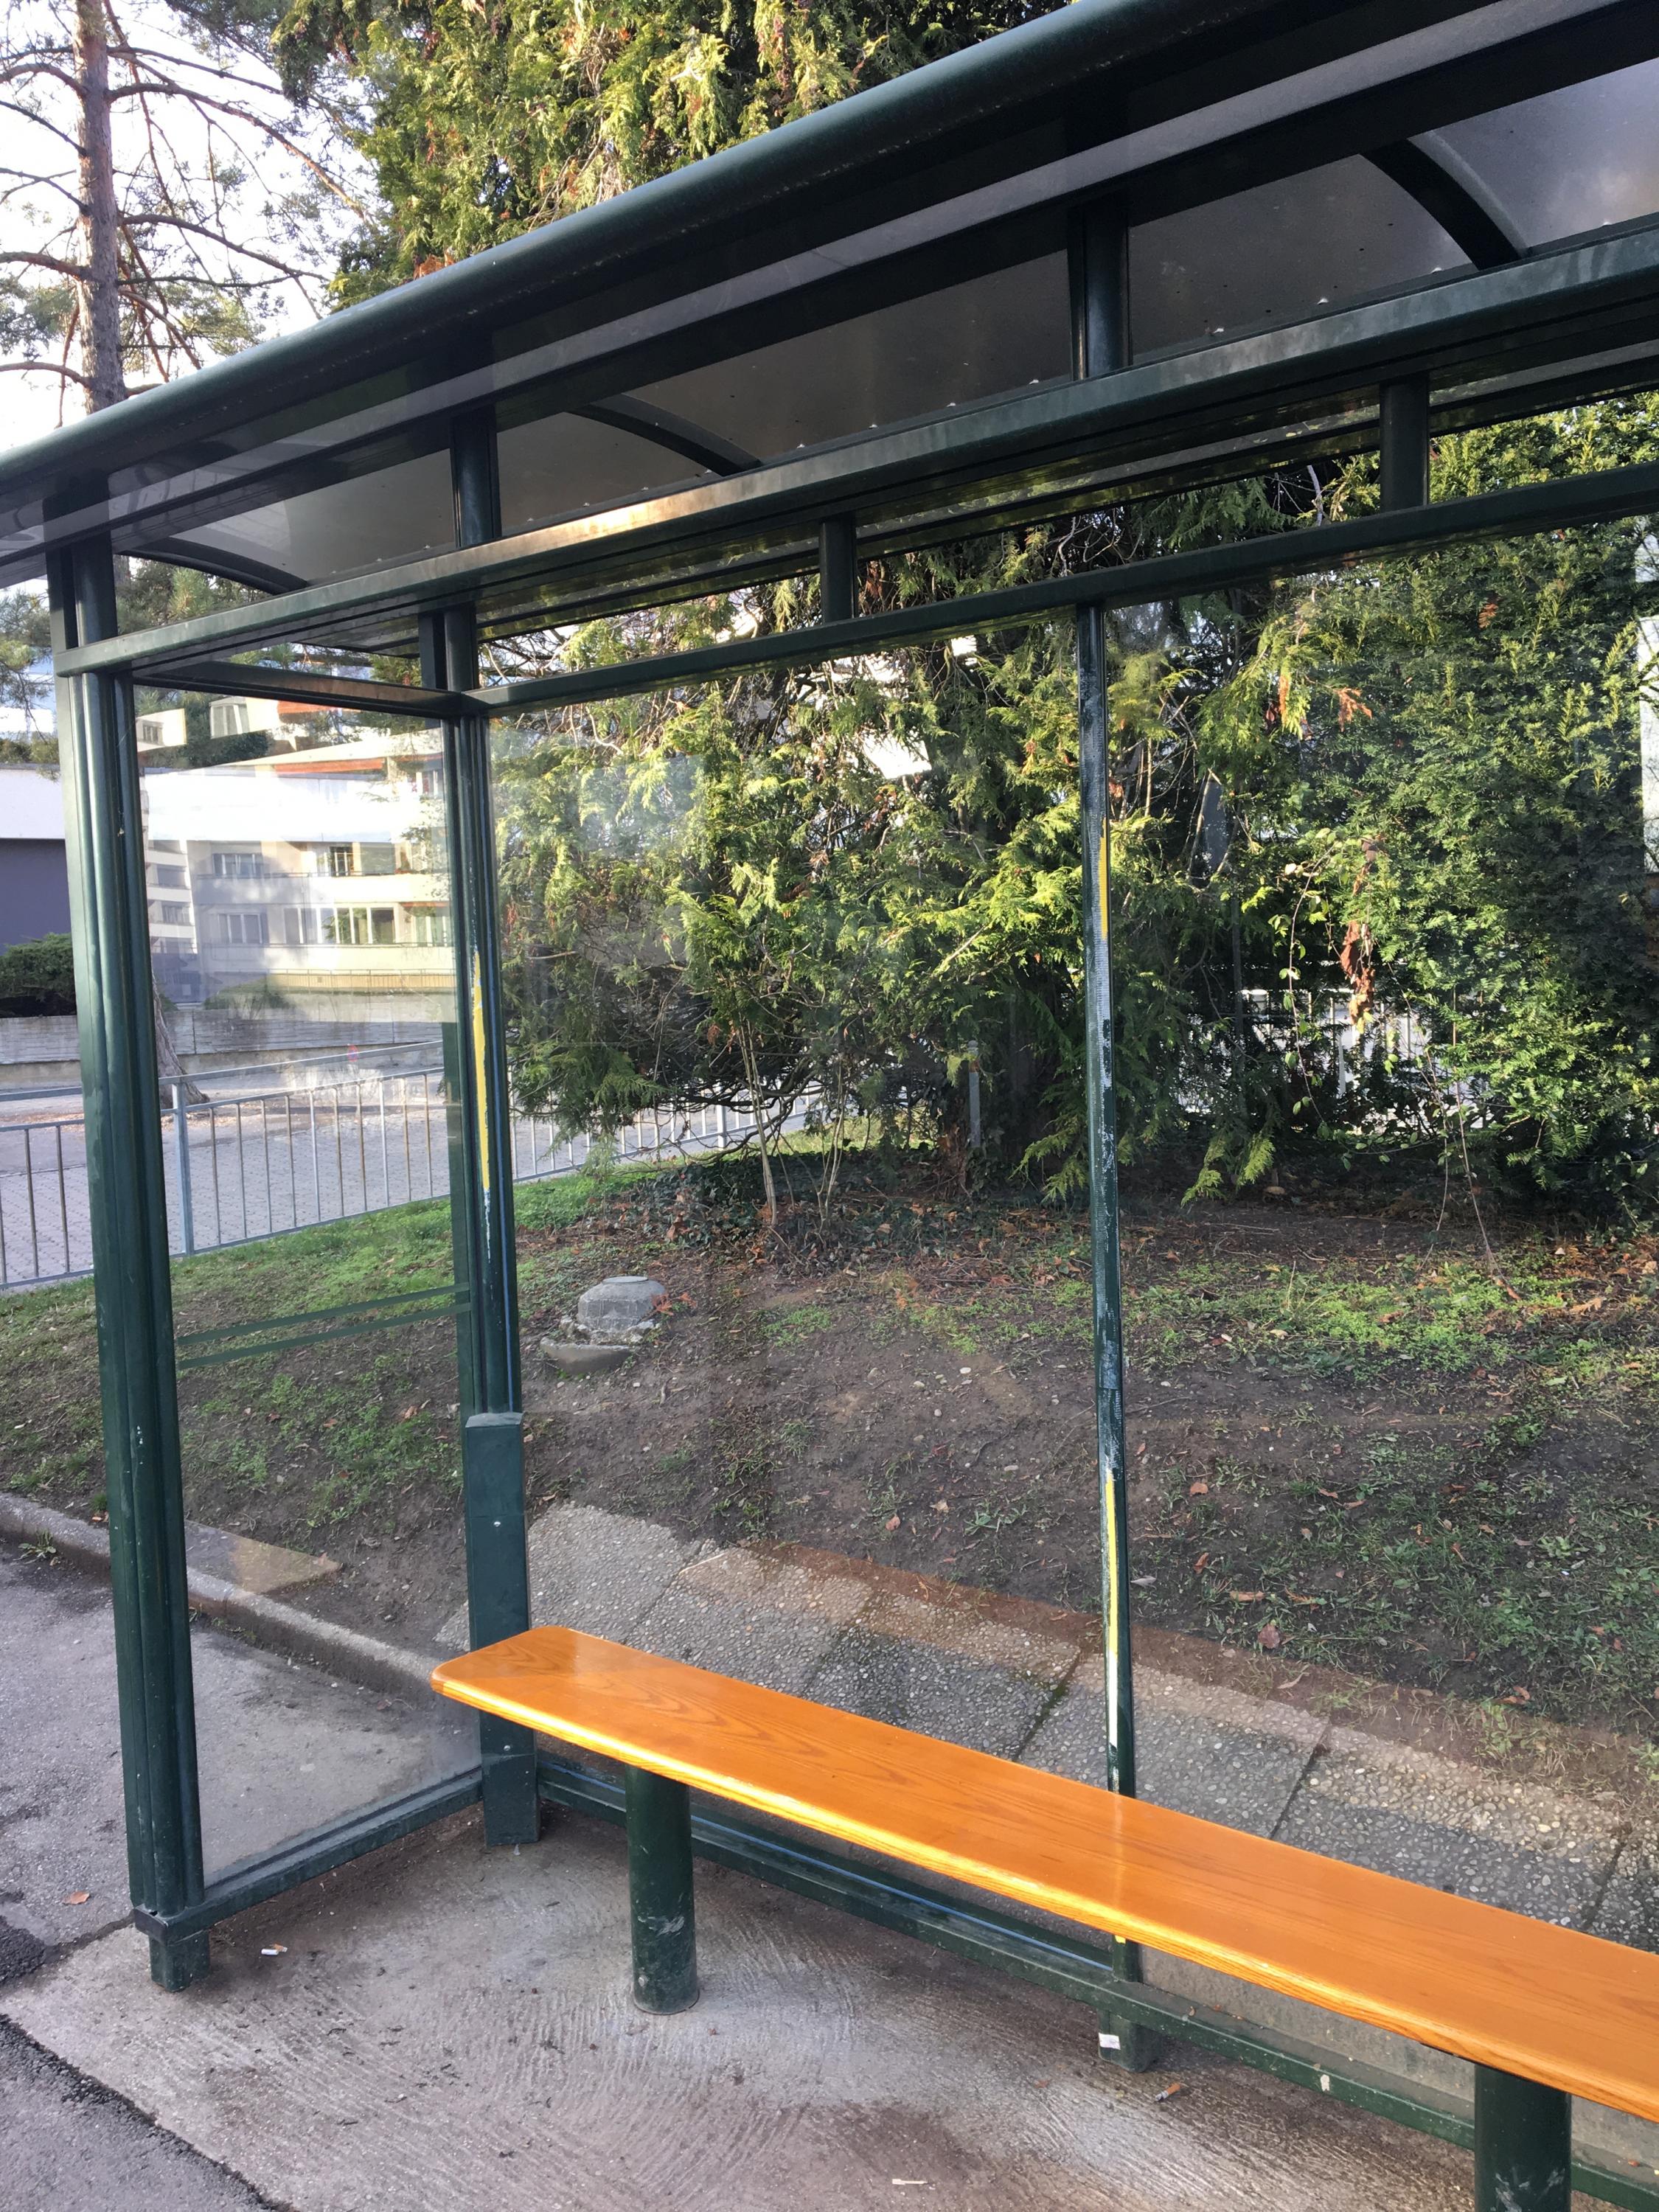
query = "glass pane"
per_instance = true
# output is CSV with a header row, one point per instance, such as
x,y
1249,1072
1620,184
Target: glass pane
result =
x,y
962,343
1573,160
807,1371
1279,253
300,927
395,514
563,464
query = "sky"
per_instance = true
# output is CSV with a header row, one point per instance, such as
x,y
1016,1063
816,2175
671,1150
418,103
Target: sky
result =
x,y
37,178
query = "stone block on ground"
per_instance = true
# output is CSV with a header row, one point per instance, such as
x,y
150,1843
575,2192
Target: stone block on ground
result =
x,y
598,1571
1629,1910
612,1309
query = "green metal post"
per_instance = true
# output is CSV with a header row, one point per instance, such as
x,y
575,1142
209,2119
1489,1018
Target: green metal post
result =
x,y
1403,440
837,568
104,827
661,1905
1099,260
1523,2145
492,1438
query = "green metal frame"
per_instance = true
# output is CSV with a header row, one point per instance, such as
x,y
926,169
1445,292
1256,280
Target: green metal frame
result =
x,y
492,1427
932,195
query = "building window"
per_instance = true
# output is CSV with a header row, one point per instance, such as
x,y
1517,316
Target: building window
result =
x,y
239,867
428,925
164,912
338,861
300,925
243,929
169,879
377,859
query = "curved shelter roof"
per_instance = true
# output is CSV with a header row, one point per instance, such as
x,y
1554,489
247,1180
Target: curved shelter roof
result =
x,y
867,310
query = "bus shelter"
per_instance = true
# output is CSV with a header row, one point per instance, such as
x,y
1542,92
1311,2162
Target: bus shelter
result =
x,y
1130,247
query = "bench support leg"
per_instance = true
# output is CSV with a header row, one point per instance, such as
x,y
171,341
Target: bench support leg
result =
x,y
660,1901
1523,2145
1124,2042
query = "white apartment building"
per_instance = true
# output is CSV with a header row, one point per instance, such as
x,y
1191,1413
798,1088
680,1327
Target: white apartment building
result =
x,y
321,870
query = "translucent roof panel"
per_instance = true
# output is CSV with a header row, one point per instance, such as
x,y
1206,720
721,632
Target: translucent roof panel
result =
x,y
1279,253
396,514
966,341
1570,160
565,462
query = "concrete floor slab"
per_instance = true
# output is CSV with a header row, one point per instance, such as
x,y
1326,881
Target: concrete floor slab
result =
x,y
281,1749
454,2032
937,1694
1407,1811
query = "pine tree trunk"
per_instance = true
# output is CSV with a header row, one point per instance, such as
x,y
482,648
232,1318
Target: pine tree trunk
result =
x,y
99,302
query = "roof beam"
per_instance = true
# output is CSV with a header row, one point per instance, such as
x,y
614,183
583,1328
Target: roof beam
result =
x,y
1525,509
1535,310
1445,188
305,687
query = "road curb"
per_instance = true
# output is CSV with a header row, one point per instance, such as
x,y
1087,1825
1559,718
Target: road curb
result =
x,y
265,1620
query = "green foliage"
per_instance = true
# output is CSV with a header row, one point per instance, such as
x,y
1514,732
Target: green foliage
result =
x,y
487,121
38,977
1411,788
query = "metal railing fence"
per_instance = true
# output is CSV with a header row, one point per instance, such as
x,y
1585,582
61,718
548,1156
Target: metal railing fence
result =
x,y
241,1168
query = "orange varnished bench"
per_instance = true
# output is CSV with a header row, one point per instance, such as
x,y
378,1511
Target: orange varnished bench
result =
x,y
1537,2007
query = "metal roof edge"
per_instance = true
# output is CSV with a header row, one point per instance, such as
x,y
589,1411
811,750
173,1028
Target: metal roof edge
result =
x,y
998,74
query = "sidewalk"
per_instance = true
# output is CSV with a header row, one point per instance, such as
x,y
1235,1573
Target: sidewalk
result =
x,y
447,2028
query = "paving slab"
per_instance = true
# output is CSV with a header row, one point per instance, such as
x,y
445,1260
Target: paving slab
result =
x,y
598,1571
458,2035
1199,1748
1628,1910
1410,1813
743,1635
937,1694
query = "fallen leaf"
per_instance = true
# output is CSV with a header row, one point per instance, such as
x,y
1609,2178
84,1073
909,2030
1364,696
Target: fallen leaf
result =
x,y
1198,1489
77,1897
1268,1636
1328,1493
1247,1597
1295,1600
1200,1563
892,1523
1518,1696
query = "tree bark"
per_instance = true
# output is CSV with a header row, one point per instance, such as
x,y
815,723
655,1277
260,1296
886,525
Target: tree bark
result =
x,y
99,289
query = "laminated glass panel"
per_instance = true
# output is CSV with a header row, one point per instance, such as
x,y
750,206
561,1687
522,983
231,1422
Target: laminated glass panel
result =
x,y
1279,252
395,515
300,942
961,343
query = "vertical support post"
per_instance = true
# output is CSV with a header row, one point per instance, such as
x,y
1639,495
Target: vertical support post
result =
x,y
181,1165
480,1193
127,1192
1523,2145
661,1905
1403,436
1099,264
837,568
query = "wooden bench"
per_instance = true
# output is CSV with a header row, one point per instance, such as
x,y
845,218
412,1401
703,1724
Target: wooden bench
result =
x,y
1544,2012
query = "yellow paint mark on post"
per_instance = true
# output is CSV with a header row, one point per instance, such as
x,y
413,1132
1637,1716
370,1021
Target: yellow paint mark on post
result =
x,y
480,1088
